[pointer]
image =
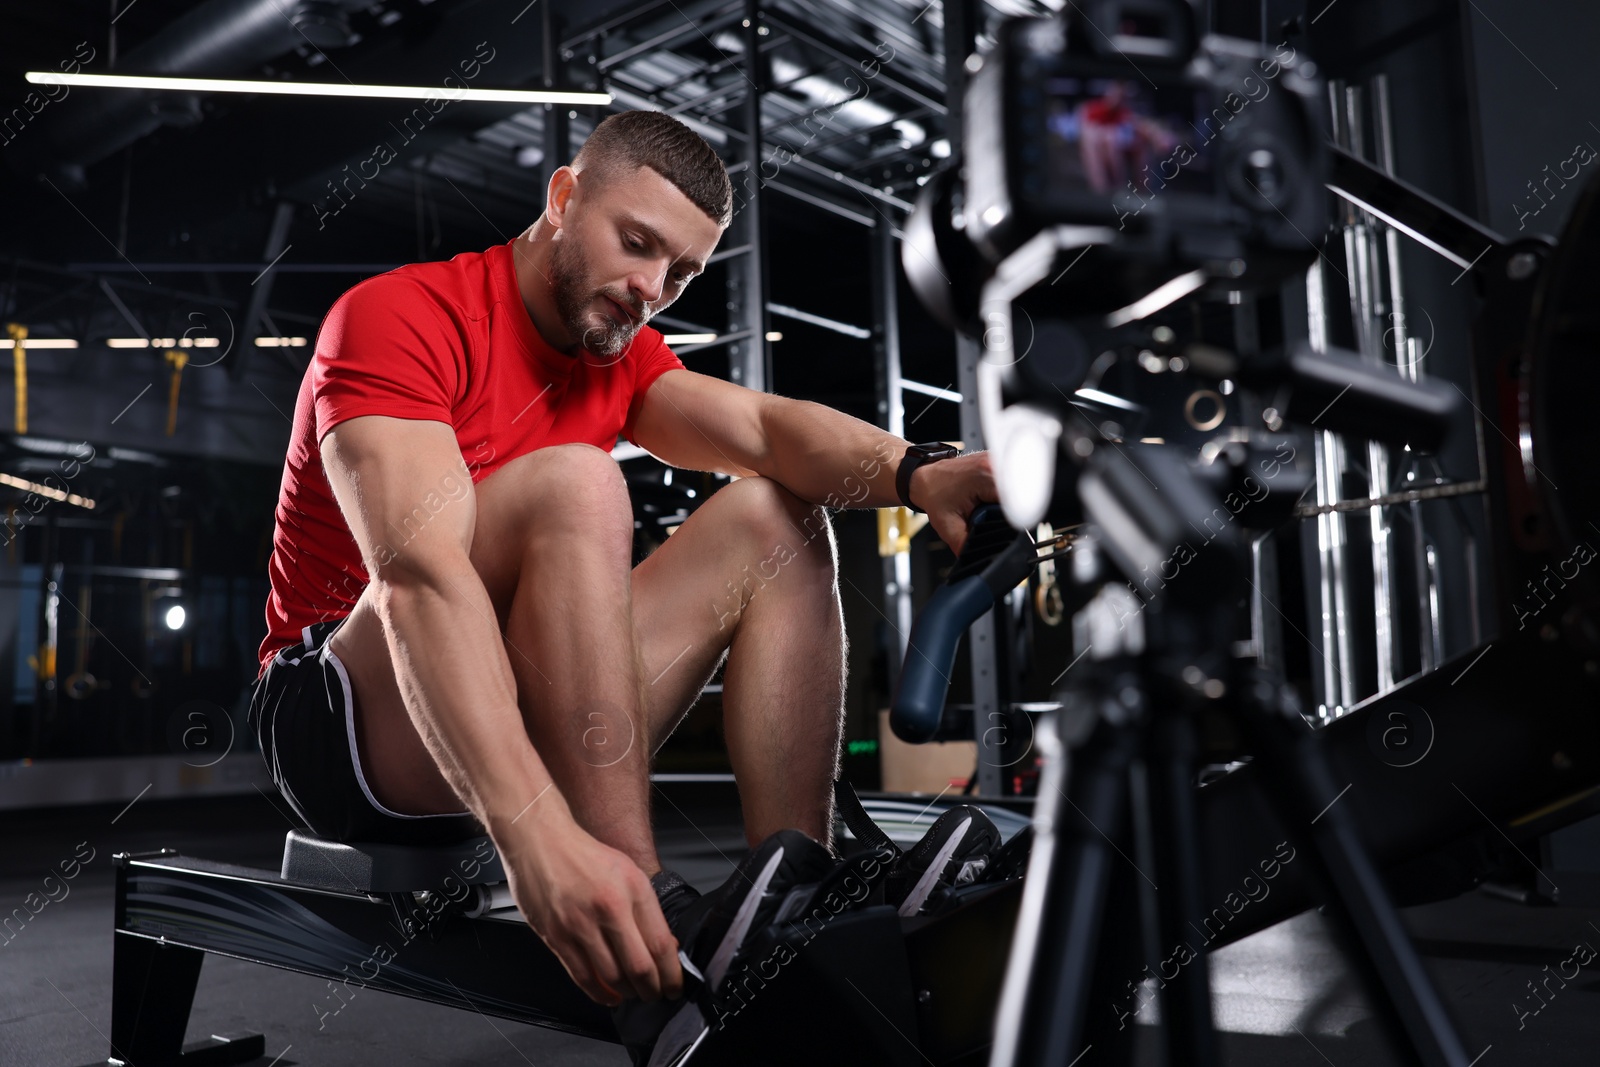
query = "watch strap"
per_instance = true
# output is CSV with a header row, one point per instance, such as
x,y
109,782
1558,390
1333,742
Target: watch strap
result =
x,y
915,457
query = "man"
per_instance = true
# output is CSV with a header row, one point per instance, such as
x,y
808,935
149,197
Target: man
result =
x,y
460,641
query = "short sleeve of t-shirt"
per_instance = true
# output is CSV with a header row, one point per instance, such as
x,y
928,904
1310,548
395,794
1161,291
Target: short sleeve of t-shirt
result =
x,y
651,358
385,348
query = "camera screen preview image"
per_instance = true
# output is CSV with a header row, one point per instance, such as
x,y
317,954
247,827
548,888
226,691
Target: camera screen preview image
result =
x,y
1125,140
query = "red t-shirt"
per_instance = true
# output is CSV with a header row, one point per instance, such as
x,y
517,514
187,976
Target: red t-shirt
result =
x,y
447,342
1101,112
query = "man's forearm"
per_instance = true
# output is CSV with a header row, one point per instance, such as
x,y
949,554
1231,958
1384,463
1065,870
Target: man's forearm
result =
x,y
451,667
830,458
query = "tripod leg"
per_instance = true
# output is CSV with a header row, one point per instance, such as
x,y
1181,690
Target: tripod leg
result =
x,y
1111,1025
1049,978
1180,901
1299,775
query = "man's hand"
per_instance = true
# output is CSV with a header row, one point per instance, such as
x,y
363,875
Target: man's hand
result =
x,y
594,908
950,491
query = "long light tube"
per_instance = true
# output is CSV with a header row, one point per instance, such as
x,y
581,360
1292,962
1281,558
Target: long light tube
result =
x,y
46,491
279,88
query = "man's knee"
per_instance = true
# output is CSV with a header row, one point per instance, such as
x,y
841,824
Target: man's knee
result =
x,y
786,530
563,486
565,505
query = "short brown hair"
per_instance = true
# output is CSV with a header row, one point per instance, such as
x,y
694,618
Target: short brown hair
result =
x,y
633,139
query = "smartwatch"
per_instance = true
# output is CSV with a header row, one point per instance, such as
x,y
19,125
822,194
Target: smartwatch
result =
x,y
915,457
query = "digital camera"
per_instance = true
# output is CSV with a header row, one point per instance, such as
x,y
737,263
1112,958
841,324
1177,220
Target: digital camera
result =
x,y
1162,153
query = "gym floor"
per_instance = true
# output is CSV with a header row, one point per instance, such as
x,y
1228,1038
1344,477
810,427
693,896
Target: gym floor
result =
x,y
1282,997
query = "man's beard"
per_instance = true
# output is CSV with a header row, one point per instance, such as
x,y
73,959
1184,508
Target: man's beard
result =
x,y
575,295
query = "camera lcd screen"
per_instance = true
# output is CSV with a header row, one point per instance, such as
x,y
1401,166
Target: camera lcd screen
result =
x,y
1111,136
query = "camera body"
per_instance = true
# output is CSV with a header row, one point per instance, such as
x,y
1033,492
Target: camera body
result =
x,y
1169,153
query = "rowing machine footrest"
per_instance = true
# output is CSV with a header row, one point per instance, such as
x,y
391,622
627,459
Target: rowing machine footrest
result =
x,y
841,994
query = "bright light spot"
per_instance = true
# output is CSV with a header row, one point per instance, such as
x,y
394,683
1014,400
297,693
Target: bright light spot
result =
x,y
175,616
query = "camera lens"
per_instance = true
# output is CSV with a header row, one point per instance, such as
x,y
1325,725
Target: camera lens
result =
x,y
1263,172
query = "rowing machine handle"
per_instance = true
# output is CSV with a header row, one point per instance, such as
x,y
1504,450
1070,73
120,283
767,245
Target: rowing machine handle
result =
x,y
994,559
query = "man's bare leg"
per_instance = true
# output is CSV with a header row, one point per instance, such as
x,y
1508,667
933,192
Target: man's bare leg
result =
x,y
555,528
552,543
752,573
753,569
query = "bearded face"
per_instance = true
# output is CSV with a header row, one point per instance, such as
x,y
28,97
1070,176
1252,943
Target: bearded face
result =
x,y
603,318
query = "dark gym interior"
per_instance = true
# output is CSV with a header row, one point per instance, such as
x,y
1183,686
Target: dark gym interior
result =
x,y
168,256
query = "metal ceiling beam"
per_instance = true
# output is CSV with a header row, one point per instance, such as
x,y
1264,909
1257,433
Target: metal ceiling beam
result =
x,y
719,20
832,208
921,96
865,131
861,187
898,29
132,289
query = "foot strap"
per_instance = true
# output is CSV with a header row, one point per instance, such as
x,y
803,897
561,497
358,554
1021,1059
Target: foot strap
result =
x,y
860,823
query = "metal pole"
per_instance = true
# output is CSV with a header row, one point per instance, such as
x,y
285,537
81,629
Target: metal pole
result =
x,y
557,117
892,414
962,19
261,288
1366,306
1424,560
749,361
1334,682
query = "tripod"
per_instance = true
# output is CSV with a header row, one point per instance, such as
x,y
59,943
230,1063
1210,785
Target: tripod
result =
x,y
1121,758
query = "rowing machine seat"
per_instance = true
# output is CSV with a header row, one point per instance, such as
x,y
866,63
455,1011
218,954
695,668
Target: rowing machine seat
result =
x,y
370,867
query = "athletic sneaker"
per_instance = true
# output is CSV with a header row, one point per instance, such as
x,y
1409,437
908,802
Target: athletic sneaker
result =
x,y
711,930
638,1023
675,895
782,872
955,852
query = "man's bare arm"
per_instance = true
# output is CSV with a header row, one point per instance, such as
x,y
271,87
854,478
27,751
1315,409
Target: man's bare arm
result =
x,y
589,902
819,454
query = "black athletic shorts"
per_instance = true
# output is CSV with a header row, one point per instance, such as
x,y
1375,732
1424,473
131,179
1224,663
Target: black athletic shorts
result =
x,y
303,714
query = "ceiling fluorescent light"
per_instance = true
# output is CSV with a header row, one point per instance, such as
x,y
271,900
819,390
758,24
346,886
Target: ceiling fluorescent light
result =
x,y
280,342
46,491
688,338
163,342
49,342
281,88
